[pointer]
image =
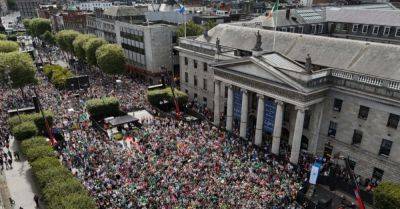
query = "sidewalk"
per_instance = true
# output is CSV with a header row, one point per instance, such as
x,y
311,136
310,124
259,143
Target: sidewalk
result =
x,y
20,181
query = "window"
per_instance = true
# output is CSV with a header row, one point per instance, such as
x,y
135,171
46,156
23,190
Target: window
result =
x,y
377,174
363,112
385,148
292,29
357,137
226,92
284,29
195,63
205,84
375,30
365,29
313,29
195,80
355,28
186,91
337,105
345,27
186,77
393,120
205,101
186,61
307,118
386,31
205,67
300,30
397,34
320,28
332,129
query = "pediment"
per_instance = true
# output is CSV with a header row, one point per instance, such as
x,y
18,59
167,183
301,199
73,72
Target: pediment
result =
x,y
254,68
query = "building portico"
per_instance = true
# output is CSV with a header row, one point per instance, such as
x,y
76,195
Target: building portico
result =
x,y
259,75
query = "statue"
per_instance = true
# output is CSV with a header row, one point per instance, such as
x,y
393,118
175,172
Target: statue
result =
x,y
218,46
257,47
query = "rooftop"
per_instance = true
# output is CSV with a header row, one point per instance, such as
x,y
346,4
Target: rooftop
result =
x,y
124,11
364,16
375,59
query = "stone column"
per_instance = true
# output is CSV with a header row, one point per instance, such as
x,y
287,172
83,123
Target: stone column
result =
x,y
276,135
260,120
243,113
317,114
229,109
298,133
217,102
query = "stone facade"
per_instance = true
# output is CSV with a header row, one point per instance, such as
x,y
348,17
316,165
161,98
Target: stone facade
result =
x,y
379,95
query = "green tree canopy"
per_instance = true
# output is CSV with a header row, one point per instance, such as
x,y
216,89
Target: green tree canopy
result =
x,y
110,58
78,43
387,196
209,24
8,46
90,49
3,37
65,38
48,37
20,66
39,26
192,29
12,4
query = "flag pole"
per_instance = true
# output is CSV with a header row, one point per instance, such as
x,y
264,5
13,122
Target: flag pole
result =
x,y
184,22
274,20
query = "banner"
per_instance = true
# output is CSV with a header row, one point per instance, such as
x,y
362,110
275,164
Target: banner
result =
x,y
269,116
314,174
237,104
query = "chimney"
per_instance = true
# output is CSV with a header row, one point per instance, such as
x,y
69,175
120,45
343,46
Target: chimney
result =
x,y
287,13
308,65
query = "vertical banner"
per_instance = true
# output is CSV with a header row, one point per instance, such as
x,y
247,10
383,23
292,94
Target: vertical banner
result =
x,y
237,104
269,116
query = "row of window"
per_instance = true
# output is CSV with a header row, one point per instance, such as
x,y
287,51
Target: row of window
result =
x,y
133,48
195,64
392,122
134,37
195,81
386,145
315,29
365,28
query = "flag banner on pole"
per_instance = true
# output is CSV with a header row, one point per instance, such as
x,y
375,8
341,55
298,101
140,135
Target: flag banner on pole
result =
x,y
269,116
273,9
181,9
237,104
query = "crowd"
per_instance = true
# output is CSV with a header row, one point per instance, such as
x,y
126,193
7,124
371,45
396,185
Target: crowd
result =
x,y
171,163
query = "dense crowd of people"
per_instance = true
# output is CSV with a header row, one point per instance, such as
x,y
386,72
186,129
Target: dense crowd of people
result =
x,y
169,163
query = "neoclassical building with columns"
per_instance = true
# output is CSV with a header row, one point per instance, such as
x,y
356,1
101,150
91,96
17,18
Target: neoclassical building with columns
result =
x,y
324,96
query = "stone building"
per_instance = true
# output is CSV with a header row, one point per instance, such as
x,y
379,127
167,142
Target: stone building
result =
x,y
148,48
378,24
28,8
314,94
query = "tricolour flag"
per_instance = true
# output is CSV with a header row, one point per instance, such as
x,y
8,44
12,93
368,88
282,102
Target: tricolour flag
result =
x,y
181,9
273,9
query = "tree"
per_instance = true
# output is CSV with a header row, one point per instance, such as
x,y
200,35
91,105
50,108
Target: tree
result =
x,y
192,29
39,26
65,38
48,37
90,49
21,68
387,196
3,37
110,58
11,4
78,43
209,24
8,46
27,25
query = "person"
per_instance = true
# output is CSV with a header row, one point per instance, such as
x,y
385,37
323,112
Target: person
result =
x,y
10,162
16,155
36,198
12,202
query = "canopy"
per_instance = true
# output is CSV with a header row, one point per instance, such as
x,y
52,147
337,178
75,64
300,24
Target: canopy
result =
x,y
123,120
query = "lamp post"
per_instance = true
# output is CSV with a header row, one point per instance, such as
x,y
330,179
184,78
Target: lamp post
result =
x,y
171,82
